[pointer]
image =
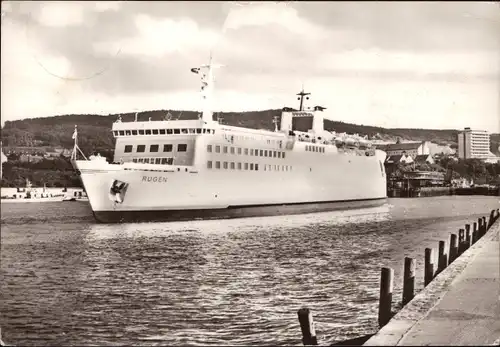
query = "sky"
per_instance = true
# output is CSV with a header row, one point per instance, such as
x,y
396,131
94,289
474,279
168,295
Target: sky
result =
x,y
433,65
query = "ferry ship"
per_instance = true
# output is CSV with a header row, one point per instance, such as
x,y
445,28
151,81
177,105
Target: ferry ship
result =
x,y
204,169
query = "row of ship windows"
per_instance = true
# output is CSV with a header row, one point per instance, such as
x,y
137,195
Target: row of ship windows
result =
x,y
246,166
155,148
163,132
163,161
315,149
247,151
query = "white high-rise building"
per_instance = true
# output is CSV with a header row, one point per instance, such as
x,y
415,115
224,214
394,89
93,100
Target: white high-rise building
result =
x,y
474,144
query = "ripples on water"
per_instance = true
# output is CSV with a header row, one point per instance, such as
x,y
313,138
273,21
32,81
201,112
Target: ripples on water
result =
x,y
68,281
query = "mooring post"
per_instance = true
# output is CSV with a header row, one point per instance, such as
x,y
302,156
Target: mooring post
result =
x,y
442,259
474,233
461,241
385,300
428,267
485,226
452,254
479,228
468,239
307,327
408,280
490,221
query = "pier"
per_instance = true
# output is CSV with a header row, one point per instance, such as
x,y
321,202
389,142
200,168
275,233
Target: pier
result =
x,y
459,304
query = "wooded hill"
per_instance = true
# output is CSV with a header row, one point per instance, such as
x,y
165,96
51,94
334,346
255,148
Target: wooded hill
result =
x,y
94,131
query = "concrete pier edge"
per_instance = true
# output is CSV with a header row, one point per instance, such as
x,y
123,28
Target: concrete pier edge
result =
x,y
418,308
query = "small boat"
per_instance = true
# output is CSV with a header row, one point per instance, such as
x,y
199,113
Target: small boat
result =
x,y
78,195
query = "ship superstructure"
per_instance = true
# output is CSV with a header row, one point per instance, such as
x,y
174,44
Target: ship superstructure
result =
x,y
188,169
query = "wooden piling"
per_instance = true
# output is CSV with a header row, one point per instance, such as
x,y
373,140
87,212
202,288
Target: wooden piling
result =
x,y
408,280
485,226
492,218
468,239
452,254
479,228
428,267
461,241
442,258
385,301
307,327
474,233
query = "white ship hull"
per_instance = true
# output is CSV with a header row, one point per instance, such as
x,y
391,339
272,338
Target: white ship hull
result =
x,y
205,169
177,192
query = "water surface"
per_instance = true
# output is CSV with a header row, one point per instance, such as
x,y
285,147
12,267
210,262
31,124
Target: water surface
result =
x,y
66,280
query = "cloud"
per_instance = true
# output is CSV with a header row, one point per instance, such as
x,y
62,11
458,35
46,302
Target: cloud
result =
x,y
161,37
356,57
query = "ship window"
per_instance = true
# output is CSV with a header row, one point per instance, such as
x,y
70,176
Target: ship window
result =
x,y
251,166
148,132
239,166
265,153
265,167
251,151
256,167
122,133
274,154
256,152
246,166
225,149
198,131
170,161
153,148
134,132
164,160
155,131
239,150
141,132
209,164
146,160
217,164
128,148
232,150
232,165
184,131
141,148
162,131
246,151
209,148
134,160
191,131
217,149
283,155
177,131
115,133
224,165
140,160
167,148
261,152
157,160
181,147
169,131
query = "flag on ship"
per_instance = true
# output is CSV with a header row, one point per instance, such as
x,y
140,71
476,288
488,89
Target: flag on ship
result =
x,y
195,70
4,158
75,133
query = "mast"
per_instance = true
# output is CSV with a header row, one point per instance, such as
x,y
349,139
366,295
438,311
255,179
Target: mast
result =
x,y
301,98
207,87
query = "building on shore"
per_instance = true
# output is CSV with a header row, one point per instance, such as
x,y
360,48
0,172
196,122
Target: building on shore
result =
x,y
475,144
412,149
3,160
